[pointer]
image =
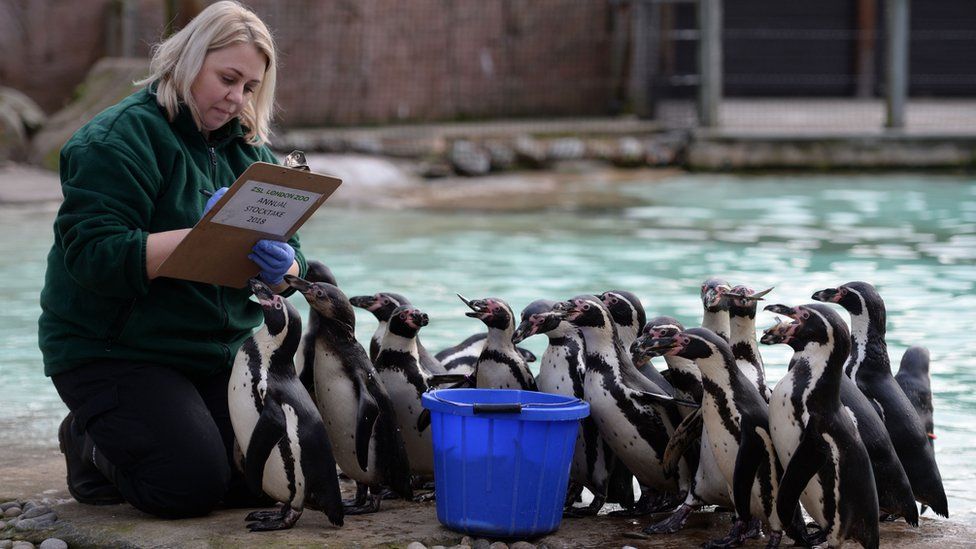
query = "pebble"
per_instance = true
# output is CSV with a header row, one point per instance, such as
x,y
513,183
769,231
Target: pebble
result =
x,y
481,544
12,512
498,545
416,545
36,511
22,545
522,545
53,543
461,546
7,505
6,543
3,525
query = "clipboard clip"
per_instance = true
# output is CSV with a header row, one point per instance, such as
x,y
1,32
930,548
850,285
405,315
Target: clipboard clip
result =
x,y
296,160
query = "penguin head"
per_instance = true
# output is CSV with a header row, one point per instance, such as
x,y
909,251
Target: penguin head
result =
x,y
381,304
319,272
585,311
695,344
656,330
812,323
279,313
858,298
494,312
537,318
327,300
625,308
714,295
743,301
406,321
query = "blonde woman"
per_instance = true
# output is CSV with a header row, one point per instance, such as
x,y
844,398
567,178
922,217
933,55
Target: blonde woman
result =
x,y
142,362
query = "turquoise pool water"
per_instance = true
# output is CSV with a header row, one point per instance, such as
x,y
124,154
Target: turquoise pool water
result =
x,y
912,236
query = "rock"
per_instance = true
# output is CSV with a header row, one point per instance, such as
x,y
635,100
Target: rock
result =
x,y
12,512
6,543
24,525
469,159
20,118
522,545
53,543
466,540
502,156
530,153
568,148
434,170
481,544
32,511
416,545
8,505
629,153
22,545
498,545
108,81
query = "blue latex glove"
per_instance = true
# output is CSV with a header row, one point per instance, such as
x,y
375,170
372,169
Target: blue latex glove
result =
x,y
213,200
274,258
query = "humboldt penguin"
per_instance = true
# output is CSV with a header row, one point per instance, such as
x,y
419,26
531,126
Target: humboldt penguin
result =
x,y
735,420
382,305
398,365
356,408
828,466
633,414
286,448
913,378
808,335
500,365
869,367
708,486
716,301
628,314
316,272
745,347
561,371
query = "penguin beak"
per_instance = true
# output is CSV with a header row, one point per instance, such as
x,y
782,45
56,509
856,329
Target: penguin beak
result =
x,y
755,296
781,332
479,308
653,346
525,329
417,319
713,296
781,309
363,301
261,291
299,284
827,295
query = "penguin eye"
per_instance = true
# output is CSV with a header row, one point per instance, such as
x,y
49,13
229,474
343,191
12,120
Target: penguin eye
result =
x,y
277,305
319,292
804,315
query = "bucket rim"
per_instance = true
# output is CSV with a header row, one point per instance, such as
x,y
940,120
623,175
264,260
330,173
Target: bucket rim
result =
x,y
506,404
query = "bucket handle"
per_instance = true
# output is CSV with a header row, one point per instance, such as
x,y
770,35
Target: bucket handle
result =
x,y
504,407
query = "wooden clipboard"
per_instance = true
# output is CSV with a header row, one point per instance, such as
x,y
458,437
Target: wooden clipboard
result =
x,y
215,251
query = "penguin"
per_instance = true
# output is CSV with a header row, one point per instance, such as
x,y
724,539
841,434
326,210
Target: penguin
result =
x,y
745,347
913,378
894,492
633,414
736,424
628,314
316,272
398,366
827,465
382,305
561,372
356,408
708,486
286,448
869,367
461,358
716,302
500,365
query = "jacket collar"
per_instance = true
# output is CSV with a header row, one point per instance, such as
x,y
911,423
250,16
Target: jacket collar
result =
x,y
186,126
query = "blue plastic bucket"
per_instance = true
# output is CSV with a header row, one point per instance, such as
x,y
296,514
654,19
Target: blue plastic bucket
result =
x,y
502,459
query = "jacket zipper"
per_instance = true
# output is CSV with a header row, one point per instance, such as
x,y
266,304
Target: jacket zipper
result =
x,y
213,164
212,152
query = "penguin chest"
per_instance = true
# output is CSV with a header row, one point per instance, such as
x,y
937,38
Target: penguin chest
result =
x,y
723,434
284,477
338,403
785,426
406,403
245,398
497,370
554,372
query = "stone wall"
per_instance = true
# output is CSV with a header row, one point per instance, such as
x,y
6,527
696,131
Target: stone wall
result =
x,y
356,62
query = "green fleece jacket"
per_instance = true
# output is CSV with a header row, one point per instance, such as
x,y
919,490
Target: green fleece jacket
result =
x,y
127,173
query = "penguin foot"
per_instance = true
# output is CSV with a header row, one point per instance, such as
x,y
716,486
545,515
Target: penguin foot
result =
x,y
923,509
736,537
673,523
573,494
755,529
590,510
649,505
774,539
424,497
281,519
815,534
371,505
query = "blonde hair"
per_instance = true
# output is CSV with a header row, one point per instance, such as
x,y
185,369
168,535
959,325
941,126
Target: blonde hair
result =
x,y
177,60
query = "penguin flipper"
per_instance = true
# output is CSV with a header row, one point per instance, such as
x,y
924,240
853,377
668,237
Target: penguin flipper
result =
x,y
423,420
683,438
268,431
808,458
751,452
620,485
365,419
527,355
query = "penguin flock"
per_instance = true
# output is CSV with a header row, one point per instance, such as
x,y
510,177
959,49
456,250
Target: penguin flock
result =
x,y
839,439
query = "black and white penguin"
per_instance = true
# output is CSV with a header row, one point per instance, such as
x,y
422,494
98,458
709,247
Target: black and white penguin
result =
x,y
286,448
634,415
870,368
561,372
716,301
828,467
398,366
500,365
461,358
628,314
787,409
354,405
316,272
745,347
913,378
382,305
708,486
736,424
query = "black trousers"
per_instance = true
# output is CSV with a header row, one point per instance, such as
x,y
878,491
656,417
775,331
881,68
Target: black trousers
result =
x,y
167,436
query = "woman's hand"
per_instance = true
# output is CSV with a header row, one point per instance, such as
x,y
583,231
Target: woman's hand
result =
x,y
274,258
